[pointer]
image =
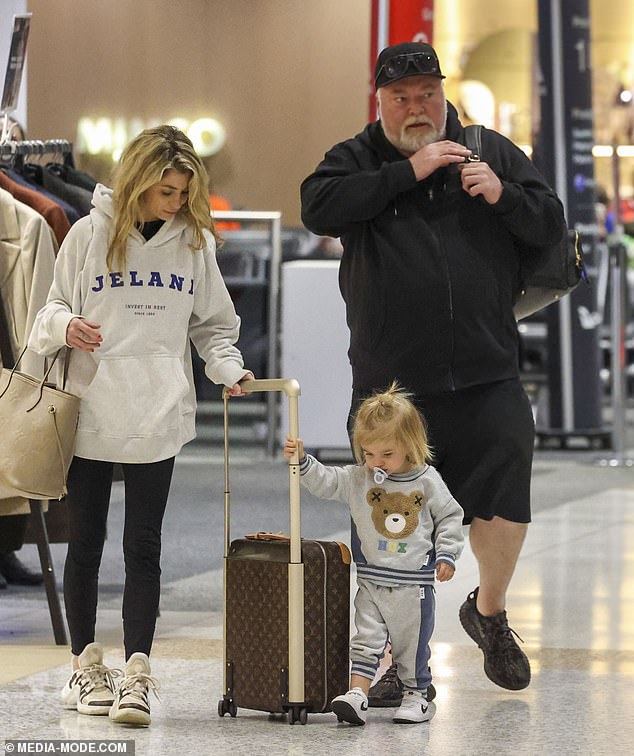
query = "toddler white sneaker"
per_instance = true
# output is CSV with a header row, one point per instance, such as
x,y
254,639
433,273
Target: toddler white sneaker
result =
x,y
351,707
414,709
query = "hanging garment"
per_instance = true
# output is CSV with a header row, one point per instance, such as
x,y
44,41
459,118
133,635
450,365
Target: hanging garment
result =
x,y
49,210
72,175
15,505
25,180
78,199
27,257
77,196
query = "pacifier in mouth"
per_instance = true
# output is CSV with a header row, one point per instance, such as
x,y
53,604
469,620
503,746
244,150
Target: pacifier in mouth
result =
x,y
379,476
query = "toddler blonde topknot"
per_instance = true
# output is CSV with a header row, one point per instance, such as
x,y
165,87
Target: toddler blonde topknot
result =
x,y
391,415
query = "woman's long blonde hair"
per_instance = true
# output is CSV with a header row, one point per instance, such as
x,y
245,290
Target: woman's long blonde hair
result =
x,y
391,416
143,162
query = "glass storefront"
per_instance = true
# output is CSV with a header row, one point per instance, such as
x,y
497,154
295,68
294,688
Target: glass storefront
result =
x,y
489,55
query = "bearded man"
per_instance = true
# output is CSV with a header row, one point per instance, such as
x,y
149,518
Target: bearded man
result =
x,y
429,275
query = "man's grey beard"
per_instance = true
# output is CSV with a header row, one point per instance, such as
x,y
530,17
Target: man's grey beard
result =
x,y
411,143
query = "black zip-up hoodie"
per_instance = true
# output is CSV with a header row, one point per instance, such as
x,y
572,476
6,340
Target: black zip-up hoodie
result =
x,y
429,274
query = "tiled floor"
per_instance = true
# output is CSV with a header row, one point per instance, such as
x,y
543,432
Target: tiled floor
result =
x,y
572,601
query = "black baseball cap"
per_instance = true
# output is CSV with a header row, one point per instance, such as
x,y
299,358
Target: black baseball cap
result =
x,y
406,59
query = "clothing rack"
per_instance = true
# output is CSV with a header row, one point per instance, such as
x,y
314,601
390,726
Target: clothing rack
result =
x,y
35,147
38,521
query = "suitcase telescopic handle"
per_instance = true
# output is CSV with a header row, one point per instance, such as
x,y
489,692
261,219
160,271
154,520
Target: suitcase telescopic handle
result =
x,y
292,390
296,688
288,385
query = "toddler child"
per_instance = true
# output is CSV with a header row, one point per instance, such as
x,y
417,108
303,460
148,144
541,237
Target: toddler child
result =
x,y
406,532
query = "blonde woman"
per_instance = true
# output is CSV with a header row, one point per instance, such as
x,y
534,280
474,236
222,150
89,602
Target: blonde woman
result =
x,y
133,283
407,532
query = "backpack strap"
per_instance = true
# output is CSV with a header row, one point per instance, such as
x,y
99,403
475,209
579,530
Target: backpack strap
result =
x,y
473,140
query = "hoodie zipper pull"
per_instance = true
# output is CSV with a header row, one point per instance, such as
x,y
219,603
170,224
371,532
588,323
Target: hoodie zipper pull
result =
x,y
430,194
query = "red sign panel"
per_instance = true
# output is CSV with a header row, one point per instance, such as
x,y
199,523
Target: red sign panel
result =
x,y
411,21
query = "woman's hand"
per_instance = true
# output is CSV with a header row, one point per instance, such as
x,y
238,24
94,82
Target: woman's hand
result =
x,y
84,335
236,389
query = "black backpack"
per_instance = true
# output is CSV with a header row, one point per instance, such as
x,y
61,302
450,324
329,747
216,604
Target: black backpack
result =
x,y
546,273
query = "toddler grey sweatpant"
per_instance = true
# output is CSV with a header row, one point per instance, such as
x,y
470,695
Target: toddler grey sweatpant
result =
x,y
405,614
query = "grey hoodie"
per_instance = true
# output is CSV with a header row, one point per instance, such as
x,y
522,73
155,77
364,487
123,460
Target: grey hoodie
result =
x,y
137,391
401,527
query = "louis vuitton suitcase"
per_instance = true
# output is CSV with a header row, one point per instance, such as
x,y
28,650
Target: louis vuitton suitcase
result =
x,y
287,607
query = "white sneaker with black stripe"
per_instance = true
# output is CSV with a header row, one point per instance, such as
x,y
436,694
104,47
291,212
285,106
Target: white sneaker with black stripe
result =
x,y
414,709
131,703
90,689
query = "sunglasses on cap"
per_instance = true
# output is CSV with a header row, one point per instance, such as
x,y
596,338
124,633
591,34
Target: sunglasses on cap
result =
x,y
395,67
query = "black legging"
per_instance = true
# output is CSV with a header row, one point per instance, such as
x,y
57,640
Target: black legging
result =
x,y
146,490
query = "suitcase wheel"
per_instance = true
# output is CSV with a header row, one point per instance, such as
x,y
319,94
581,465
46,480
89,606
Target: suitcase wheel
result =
x,y
227,706
298,714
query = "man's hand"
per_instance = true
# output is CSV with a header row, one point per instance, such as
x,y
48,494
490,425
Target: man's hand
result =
x,y
432,156
478,178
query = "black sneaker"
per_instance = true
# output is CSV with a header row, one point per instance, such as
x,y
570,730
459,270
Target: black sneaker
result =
x,y
505,663
388,691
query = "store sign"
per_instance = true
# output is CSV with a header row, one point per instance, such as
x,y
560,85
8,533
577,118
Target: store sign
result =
x,y
98,136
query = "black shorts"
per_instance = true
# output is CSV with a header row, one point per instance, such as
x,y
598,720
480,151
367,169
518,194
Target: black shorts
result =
x,y
482,440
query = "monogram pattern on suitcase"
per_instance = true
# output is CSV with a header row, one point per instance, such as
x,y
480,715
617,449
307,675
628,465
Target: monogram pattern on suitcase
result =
x,y
257,631
257,626
327,633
